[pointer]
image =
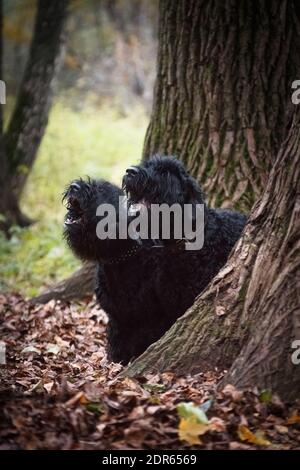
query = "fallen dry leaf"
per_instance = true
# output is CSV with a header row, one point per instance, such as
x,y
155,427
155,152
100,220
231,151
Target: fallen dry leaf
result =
x,y
189,431
294,419
245,434
48,386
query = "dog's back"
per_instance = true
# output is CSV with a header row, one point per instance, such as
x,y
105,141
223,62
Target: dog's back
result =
x,y
184,276
232,221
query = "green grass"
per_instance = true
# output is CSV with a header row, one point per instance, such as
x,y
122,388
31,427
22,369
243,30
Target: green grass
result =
x,y
94,142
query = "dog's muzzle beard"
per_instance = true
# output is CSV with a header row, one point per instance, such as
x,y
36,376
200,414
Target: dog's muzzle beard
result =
x,y
75,212
134,184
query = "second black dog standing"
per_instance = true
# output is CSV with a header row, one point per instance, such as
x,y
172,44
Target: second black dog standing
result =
x,y
144,290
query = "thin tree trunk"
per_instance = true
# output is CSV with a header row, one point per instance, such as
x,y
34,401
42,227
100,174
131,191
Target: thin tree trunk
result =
x,y
222,95
249,316
30,115
1,65
3,160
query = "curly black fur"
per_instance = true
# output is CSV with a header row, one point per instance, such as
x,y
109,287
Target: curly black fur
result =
x,y
144,289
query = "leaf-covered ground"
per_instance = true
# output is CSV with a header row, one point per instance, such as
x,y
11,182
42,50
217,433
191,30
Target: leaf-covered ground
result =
x,y
57,390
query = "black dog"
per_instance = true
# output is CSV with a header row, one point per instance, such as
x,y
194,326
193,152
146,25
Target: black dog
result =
x,y
142,288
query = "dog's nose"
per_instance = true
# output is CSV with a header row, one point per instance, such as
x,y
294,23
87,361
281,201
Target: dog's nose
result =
x,y
132,170
74,186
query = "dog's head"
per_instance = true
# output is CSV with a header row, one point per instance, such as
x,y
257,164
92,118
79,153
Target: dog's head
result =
x,y
82,198
161,180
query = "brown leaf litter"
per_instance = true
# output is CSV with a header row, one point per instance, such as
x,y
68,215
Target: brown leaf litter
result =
x,y
58,391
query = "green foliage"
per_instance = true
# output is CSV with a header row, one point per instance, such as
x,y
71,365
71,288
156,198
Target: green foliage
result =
x,y
94,142
154,388
266,396
189,411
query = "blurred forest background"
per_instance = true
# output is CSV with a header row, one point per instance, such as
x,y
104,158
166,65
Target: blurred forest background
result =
x,y
222,103
101,106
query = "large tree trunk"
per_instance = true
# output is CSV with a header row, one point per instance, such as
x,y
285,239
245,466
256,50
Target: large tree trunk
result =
x,y
222,94
30,115
248,318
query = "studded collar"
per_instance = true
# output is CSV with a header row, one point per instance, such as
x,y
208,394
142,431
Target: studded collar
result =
x,y
175,248
124,257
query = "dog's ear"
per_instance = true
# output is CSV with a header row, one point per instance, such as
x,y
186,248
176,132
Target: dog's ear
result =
x,y
194,194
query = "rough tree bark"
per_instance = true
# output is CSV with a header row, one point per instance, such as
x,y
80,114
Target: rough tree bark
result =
x,y
222,94
249,316
29,118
